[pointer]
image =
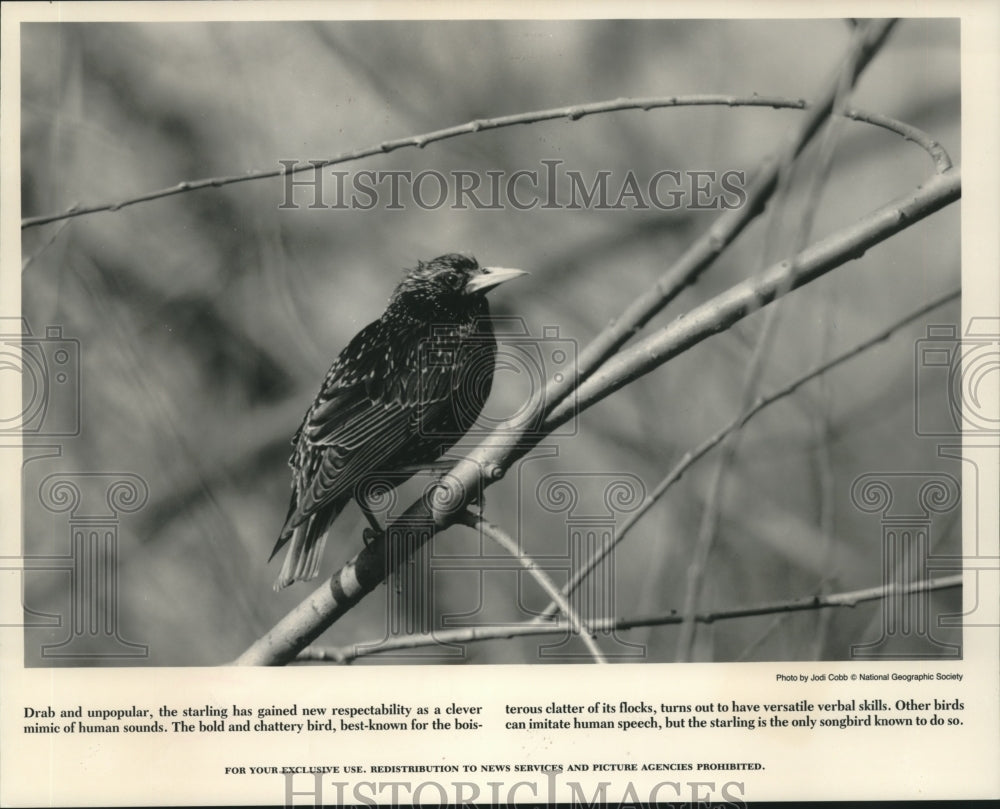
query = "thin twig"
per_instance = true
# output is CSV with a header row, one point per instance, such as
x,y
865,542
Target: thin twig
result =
x,y
571,113
942,161
530,628
693,455
824,464
712,511
28,260
709,529
825,485
501,538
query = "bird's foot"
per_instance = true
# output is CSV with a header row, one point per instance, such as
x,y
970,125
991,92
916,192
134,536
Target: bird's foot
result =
x,y
441,466
369,535
479,501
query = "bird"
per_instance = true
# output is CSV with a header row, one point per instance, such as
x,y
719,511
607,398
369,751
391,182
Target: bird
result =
x,y
403,391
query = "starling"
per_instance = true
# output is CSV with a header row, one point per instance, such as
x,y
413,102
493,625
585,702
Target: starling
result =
x,y
403,391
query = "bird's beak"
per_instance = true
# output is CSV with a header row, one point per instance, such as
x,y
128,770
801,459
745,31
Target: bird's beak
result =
x,y
490,277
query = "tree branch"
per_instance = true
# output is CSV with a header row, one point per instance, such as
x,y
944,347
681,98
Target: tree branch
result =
x,y
504,541
877,31
705,250
530,628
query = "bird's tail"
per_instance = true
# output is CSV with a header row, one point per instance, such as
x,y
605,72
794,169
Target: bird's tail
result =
x,y
305,545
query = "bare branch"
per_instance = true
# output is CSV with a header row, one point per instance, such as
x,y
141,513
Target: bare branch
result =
x,y
529,628
705,250
875,35
500,537
736,303
694,455
571,113
27,260
942,161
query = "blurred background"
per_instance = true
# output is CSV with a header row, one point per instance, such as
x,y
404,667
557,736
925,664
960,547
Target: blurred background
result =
x,y
197,328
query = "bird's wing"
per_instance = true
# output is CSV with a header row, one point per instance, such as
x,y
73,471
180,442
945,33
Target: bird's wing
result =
x,y
369,412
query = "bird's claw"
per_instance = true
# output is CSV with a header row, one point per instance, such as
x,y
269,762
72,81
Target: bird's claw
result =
x,y
479,501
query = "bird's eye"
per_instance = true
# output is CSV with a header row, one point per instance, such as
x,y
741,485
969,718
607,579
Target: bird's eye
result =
x,y
456,281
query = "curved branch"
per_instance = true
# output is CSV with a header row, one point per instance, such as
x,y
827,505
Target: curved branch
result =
x,y
873,39
500,538
529,628
571,113
938,154
942,161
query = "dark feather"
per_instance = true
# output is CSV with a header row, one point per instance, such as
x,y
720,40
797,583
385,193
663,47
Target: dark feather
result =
x,y
404,389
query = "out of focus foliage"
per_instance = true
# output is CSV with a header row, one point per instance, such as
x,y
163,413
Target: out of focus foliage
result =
x,y
207,320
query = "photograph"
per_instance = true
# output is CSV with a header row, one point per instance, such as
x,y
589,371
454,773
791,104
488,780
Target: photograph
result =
x,y
350,341
282,367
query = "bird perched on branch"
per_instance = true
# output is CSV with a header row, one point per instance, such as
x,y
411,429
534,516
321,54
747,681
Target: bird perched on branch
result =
x,y
404,390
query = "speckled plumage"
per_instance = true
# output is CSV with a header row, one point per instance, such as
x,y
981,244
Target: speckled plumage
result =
x,y
405,388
